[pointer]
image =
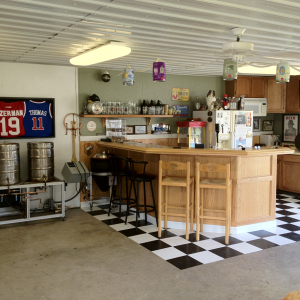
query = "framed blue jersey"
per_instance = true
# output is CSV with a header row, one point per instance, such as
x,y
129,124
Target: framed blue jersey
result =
x,y
38,120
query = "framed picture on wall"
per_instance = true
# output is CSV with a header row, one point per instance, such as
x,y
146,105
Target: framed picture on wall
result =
x,y
27,118
140,129
290,127
267,125
256,124
130,129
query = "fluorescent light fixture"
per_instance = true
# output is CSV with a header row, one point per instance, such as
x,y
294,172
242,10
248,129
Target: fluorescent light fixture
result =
x,y
103,53
262,71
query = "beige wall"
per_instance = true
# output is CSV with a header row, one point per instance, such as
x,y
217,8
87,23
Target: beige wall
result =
x,y
89,82
29,80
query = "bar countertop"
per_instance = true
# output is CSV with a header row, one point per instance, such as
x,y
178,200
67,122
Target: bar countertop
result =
x,y
157,149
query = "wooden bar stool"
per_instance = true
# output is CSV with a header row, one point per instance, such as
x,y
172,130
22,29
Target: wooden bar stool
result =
x,y
213,183
175,181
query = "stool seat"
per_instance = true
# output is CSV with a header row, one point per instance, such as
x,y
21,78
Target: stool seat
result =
x,y
175,180
213,182
143,177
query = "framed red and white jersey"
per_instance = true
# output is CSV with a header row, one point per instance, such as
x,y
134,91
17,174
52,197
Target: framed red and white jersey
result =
x,y
27,117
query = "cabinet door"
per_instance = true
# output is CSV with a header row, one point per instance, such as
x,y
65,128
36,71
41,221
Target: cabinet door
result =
x,y
258,87
275,95
243,86
292,95
279,179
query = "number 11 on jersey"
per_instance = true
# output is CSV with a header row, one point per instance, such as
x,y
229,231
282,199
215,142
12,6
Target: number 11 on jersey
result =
x,y
40,120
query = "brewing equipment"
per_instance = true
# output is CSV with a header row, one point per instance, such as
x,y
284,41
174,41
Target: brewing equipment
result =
x,y
40,161
9,163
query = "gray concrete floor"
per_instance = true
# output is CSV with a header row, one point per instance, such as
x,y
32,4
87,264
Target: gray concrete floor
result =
x,y
82,258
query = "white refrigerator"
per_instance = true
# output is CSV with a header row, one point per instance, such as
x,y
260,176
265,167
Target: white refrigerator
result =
x,y
235,127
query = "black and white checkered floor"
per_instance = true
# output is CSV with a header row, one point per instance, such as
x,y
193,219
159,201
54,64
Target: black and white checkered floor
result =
x,y
183,254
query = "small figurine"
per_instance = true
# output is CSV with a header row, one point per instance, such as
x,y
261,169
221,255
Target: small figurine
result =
x,y
210,99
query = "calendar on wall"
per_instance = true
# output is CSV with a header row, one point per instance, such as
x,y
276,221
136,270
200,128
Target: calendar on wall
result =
x,y
27,117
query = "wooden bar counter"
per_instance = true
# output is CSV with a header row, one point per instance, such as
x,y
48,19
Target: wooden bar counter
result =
x,y
253,174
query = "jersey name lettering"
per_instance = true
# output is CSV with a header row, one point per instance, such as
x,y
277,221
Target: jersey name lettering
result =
x,y
11,113
38,112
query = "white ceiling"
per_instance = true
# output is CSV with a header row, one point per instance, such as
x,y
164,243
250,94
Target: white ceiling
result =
x,y
187,34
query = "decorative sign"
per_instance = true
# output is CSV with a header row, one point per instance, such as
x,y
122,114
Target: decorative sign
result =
x,y
290,127
88,149
181,111
91,126
179,94
27,117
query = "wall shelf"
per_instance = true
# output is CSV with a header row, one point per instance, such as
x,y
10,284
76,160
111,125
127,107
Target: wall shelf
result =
x,y
104,117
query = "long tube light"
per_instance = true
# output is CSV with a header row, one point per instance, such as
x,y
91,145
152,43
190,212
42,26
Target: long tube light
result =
x,y
105,52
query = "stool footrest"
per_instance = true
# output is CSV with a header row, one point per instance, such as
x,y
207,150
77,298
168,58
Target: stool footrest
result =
x,y
212,218
173,214
215,210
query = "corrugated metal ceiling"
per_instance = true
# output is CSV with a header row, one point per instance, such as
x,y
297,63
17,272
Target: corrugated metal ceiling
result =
x,y
187,34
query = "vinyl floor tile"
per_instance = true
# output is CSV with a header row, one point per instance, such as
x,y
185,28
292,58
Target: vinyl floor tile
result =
x,y
155,245
175,241
143,238
287,220
282,206
189,248
121,226
262,244
290,227
168,253
105,217
278,230
184,262
292,236
140,223
209,244
232,240
131,232
245,237
149,228
285,213
164,234
245,248
262,233
206,257
192,237
279,240
226,252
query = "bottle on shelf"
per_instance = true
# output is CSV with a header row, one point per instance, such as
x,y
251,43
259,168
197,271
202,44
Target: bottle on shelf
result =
x,y
144,108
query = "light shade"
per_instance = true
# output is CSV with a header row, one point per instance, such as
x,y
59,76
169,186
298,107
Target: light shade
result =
x,y
230,70
103,53
283,72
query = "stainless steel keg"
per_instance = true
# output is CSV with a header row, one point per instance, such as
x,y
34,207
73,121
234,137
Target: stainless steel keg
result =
x,y
9,163
40,161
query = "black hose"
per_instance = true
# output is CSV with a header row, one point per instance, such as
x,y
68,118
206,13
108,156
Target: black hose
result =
x,y
72,197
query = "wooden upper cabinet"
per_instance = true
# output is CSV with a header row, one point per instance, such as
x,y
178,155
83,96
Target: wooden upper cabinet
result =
x,y
243,87
292,95
251,87
258,89
276,94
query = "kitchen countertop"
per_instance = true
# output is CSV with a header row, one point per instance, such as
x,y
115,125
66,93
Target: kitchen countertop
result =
x,y
157,149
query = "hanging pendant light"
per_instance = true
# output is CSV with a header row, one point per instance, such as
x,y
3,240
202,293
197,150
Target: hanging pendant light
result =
x,y
283,72
230,70
159,71
128,76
